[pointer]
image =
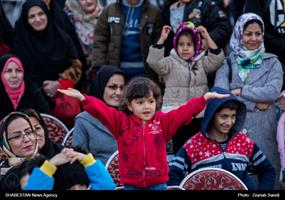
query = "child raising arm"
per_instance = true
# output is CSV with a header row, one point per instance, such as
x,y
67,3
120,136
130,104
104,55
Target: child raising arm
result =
x,y
142,131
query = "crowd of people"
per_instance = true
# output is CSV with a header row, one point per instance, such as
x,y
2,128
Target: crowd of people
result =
x,y
201,80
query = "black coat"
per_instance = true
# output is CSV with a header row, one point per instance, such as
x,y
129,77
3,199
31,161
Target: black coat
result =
x,y
212,17
33,97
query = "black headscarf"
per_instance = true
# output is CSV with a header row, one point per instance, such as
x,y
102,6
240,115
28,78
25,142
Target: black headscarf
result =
x,y
29,99
6,30
50,148
101,79
45,53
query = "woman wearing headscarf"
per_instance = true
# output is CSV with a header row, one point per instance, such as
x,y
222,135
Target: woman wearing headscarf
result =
x,y
47,147
15,91
47,52
89,133
59,16
6,33
256,77
18,143
84,15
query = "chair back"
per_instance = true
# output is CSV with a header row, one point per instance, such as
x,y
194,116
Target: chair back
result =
x,y
112,165
67,140
212,179
56,128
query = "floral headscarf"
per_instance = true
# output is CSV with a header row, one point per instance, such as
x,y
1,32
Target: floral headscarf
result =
x,y
188,26
247,59
13,159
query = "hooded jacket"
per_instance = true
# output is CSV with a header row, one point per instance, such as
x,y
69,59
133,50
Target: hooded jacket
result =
x,y
109,32
239,156
142,146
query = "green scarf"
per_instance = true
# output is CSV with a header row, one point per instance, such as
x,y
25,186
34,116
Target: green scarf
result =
x,y
249,60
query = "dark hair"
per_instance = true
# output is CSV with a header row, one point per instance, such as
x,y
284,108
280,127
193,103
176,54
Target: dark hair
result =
x,y
68,175
28,166
188,34
139,87
252,22
231,104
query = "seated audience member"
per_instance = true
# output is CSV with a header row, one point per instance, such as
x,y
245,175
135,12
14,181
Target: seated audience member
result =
x,y
256,78
18,143
46,50
16,92
47,147
221,144
67,170
89,133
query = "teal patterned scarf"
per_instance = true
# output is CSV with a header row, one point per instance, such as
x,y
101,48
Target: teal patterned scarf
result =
x,y
249,60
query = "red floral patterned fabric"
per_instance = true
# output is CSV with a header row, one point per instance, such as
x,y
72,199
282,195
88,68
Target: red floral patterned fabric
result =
x,y
212,179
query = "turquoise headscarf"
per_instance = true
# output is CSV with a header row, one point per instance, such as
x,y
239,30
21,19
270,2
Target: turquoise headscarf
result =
x,y
246,59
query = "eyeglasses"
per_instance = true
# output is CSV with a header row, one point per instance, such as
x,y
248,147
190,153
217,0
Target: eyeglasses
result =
x,y
115,87
19,136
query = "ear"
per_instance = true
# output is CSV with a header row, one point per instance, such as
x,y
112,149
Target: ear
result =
x,y
130,106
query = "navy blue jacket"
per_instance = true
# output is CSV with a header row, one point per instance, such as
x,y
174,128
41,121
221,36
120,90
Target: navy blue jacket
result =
x,y
238,154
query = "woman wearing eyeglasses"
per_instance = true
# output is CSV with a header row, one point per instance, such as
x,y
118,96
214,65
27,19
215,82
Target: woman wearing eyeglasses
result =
x,y
18,143
89,133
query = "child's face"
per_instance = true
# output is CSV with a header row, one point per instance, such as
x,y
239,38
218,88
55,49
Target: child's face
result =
x,y
224,121
185,48
143,108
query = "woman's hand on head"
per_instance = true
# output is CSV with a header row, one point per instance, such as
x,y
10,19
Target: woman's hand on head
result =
x,y
214,95
73,155
59,159
72,93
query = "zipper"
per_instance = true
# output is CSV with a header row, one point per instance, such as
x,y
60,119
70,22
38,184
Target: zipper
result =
x,y
144,155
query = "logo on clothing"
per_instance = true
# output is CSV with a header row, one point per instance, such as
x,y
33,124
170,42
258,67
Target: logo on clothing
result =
x,y
154,127
115,20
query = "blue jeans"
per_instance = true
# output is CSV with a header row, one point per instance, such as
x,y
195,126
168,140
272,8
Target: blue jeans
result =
x,y
161,186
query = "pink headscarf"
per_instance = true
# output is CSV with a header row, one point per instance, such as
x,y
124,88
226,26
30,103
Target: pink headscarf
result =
x,y
14,94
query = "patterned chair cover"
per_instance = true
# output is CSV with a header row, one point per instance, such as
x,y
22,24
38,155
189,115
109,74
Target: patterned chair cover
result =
x,y
112,165
212,179
56,128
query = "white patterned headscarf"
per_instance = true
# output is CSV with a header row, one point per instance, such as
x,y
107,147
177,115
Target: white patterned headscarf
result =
x,y
246,59
235,41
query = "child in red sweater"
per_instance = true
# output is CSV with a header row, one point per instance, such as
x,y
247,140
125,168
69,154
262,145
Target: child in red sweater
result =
x,y
142,131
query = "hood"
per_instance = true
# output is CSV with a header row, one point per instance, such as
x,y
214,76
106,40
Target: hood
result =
x,y
126,3
214,104
190,27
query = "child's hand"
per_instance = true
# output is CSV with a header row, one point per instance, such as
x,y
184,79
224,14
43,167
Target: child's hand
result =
x,y
203,31
215,95
164,34
207,41
72,93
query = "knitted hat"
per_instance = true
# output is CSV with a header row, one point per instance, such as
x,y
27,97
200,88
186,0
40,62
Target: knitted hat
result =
x,y
188,26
